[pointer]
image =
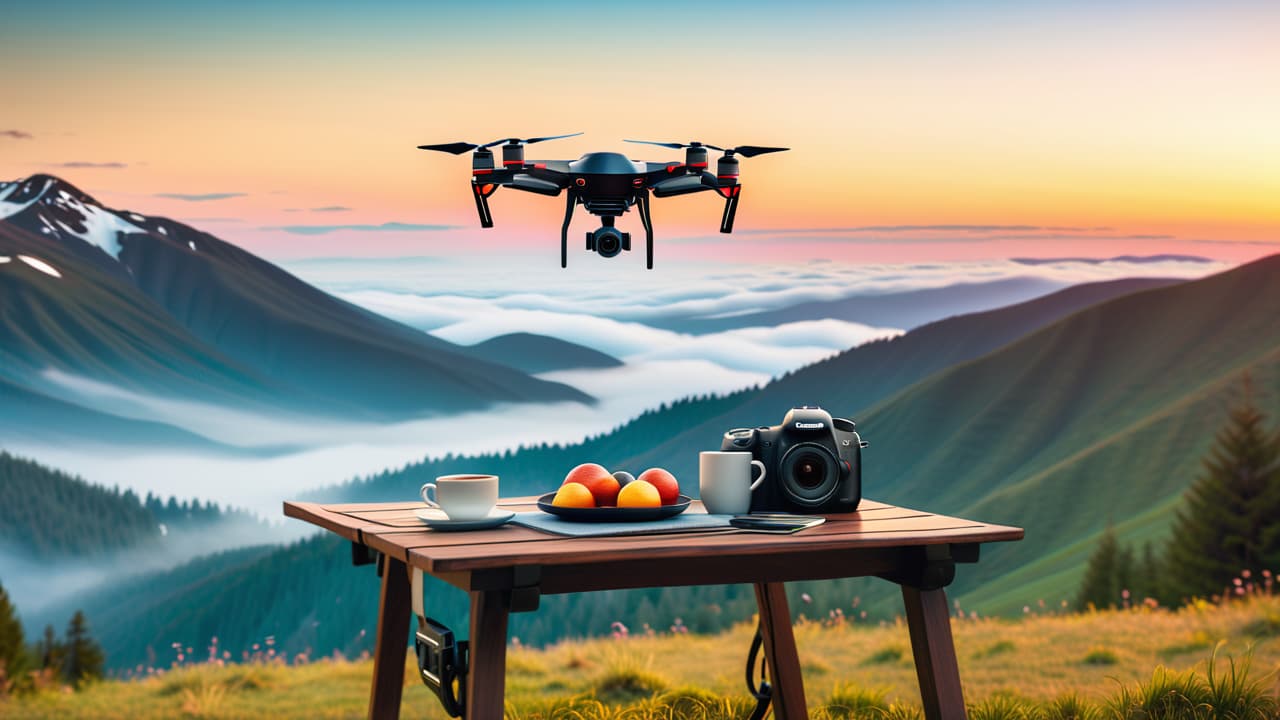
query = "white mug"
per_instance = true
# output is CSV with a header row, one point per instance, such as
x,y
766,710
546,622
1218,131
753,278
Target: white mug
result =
x,y
462,497
724,481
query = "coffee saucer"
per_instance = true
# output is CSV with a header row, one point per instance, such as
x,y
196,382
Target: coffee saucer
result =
x,y
437,520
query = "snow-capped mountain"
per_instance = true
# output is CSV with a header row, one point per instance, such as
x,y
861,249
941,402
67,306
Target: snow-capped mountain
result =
x,y
148,304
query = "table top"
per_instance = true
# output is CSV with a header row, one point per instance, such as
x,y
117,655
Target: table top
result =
x,y
393,529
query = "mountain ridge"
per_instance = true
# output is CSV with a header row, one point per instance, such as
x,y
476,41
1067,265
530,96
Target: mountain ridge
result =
x,y
157,306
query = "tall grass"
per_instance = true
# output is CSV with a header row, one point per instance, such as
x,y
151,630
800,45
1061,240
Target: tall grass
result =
x,y
1203,661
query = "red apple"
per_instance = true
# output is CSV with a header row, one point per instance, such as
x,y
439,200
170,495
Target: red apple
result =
x,y
665,482
603,486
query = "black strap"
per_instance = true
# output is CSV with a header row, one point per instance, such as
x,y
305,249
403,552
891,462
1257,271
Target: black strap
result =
x,y
764,692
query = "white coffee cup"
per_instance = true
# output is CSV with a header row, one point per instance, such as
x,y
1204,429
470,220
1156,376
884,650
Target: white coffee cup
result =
x,y
724,481
462,497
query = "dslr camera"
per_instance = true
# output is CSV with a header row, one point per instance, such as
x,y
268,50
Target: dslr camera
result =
x,y
812,462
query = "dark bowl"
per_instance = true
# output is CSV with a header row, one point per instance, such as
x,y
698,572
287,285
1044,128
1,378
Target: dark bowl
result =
x,y
614,514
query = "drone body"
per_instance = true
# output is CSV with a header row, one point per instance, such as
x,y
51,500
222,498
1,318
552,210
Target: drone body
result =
x,y
607,184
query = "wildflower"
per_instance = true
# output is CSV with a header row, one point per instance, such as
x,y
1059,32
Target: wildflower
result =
x,y
1245,574
1026,609
806,598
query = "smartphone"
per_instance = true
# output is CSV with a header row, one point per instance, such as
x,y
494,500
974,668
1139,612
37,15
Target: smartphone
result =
x,y
776,522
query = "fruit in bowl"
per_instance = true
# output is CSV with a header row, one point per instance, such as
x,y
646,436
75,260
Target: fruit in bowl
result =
x,y
665,483
639,493
604,486
592,486
574,495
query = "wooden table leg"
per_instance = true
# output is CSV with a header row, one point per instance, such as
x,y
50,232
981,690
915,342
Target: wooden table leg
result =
x,y
929,621
780,651
392,645
487,676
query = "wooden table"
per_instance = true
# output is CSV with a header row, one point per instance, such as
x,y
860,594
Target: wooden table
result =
x,y
507,569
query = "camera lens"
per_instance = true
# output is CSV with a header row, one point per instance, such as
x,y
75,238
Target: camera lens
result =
x,y
809,471
809,474
608,241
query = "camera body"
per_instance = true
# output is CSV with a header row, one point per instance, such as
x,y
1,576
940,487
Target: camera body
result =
x,y
813,462
608,241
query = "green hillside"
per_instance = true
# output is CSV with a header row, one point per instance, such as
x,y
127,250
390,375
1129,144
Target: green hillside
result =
x,y
91,520
845,383
1074,391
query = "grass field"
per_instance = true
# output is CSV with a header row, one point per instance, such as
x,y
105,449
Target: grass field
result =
x,y
1020,668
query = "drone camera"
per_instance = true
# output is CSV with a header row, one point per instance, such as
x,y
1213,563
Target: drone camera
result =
x,y
608,241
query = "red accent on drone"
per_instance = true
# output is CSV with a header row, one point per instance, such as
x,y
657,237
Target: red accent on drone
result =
x,y
512,162
701,164
674,167
580,182
481,172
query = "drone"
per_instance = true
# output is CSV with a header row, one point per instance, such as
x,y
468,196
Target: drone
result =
x,y
607,184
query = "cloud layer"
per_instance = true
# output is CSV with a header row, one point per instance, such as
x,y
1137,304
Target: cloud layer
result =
x,y
384,227
200,197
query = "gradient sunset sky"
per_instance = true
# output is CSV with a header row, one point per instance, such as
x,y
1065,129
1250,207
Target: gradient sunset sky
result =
x,y
920,131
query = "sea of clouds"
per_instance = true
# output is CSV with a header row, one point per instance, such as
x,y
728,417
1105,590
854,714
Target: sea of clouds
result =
x,y
611,308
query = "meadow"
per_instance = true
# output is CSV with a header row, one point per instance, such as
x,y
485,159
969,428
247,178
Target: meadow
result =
x,y
1204,660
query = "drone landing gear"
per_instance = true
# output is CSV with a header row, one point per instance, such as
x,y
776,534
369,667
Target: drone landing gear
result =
x,y
571,199
642,202
730,195
481,192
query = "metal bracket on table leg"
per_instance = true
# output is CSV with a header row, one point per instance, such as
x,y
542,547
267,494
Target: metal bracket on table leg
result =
x,y
363,555
934,567
526,594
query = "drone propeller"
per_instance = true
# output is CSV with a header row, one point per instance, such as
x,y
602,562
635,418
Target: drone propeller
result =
x,y
753,150
743,150
457,148
530,141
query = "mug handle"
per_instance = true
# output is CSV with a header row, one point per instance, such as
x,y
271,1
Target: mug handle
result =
x,y
760,479
426,492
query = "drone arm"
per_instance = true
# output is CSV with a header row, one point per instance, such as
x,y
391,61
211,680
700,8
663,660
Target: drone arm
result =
x,y
642,201
481,193
730,195
571,199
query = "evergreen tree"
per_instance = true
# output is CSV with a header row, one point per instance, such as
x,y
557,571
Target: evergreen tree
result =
x,y
13,646
1101,585
49,651
1147,575
1230,516
83,656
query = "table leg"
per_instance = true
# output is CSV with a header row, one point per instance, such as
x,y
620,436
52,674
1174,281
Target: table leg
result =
x,y
780,652
392,641
487,676
929,621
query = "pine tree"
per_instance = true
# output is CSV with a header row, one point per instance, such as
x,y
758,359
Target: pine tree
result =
x,y
1230,517
1101,585
1147,575
13,646
49,652
84,659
